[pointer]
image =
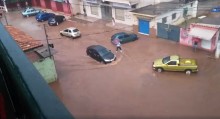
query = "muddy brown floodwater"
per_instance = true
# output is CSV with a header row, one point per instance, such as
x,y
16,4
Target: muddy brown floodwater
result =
x,y
128,87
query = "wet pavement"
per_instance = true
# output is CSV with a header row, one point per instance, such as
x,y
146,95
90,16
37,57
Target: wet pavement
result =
x,y
128,87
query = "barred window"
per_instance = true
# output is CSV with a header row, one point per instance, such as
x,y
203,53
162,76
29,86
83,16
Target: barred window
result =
x,y
94,10
119,14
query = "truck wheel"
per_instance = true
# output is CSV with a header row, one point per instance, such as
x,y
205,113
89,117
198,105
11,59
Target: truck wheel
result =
x,y
159,69
188,72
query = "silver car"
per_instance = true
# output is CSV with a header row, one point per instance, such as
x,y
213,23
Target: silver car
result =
x,y
70,32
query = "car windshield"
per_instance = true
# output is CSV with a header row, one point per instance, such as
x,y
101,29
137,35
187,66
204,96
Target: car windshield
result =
x,y
166,59
52,19
103,52
75,30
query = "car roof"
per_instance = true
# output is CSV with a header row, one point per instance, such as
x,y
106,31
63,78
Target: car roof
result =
x,y
120,33
96,47
71,28
59,16
174,57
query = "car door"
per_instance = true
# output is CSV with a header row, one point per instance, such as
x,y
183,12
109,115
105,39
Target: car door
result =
x,y
58,19
171,66
93,53
121,38
65,32
69,33
127,38
43,17
98,56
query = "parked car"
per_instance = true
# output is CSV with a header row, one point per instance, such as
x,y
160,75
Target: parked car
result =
x,y
57,19
30,12
100,54
44,16
70,32
175,63
124,37
215,9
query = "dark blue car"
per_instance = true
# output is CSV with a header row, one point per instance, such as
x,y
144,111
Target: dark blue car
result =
x,y
216,9
44,16
124,37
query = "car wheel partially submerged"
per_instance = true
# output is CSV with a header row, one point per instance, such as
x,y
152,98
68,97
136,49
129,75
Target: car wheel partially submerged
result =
x,y
188,72
159,69
103,62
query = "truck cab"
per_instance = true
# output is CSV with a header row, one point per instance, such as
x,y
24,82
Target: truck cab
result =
x,y
175,63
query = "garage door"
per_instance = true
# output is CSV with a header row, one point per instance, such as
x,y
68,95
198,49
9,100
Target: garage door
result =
x,y
59,6
143,26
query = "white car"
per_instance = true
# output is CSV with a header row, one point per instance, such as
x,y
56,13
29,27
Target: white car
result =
x,y
70,32
30,12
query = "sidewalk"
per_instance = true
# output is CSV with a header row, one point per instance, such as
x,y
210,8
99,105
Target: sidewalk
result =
x,y
88,19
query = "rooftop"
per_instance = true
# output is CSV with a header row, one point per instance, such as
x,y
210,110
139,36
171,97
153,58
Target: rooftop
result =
x,y
25,41
158,9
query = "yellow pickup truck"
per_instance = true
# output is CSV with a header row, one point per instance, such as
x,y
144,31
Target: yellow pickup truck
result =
x,y
175,63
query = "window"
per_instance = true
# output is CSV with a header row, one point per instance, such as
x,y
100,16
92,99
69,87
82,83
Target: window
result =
x,y
164,20
119,14
185,11
172,63
173,16
94,10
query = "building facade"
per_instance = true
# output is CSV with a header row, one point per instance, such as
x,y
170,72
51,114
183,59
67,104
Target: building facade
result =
x,y
173,13
55,5
205,35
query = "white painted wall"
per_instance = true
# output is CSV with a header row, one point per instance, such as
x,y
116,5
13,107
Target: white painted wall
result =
x,y
75,6
192,11
143,3
129,18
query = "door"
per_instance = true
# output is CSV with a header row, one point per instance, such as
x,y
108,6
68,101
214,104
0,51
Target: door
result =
x,y
106,12
38,3
48,4
59,6
143,26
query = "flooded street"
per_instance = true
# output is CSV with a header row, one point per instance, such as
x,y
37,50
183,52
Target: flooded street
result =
x,y
128,87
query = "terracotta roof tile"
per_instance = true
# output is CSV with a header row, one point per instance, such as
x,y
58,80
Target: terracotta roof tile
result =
x,y
25,41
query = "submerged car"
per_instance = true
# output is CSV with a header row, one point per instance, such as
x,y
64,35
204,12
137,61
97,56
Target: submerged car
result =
x,y
56,20
124,37
70,32
100,54
175,63
30,12
44,16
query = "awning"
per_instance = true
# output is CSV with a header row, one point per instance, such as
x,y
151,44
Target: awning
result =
x,y
128,2
204,34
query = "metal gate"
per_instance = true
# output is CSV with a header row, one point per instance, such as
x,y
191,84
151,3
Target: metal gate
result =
x,y
169,32
48,4
106,12
59,6
38,3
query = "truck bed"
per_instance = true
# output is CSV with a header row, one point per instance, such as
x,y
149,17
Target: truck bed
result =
x,y
185,61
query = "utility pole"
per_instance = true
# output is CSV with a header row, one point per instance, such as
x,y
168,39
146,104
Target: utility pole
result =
x,y
5,7
5,18
47,40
